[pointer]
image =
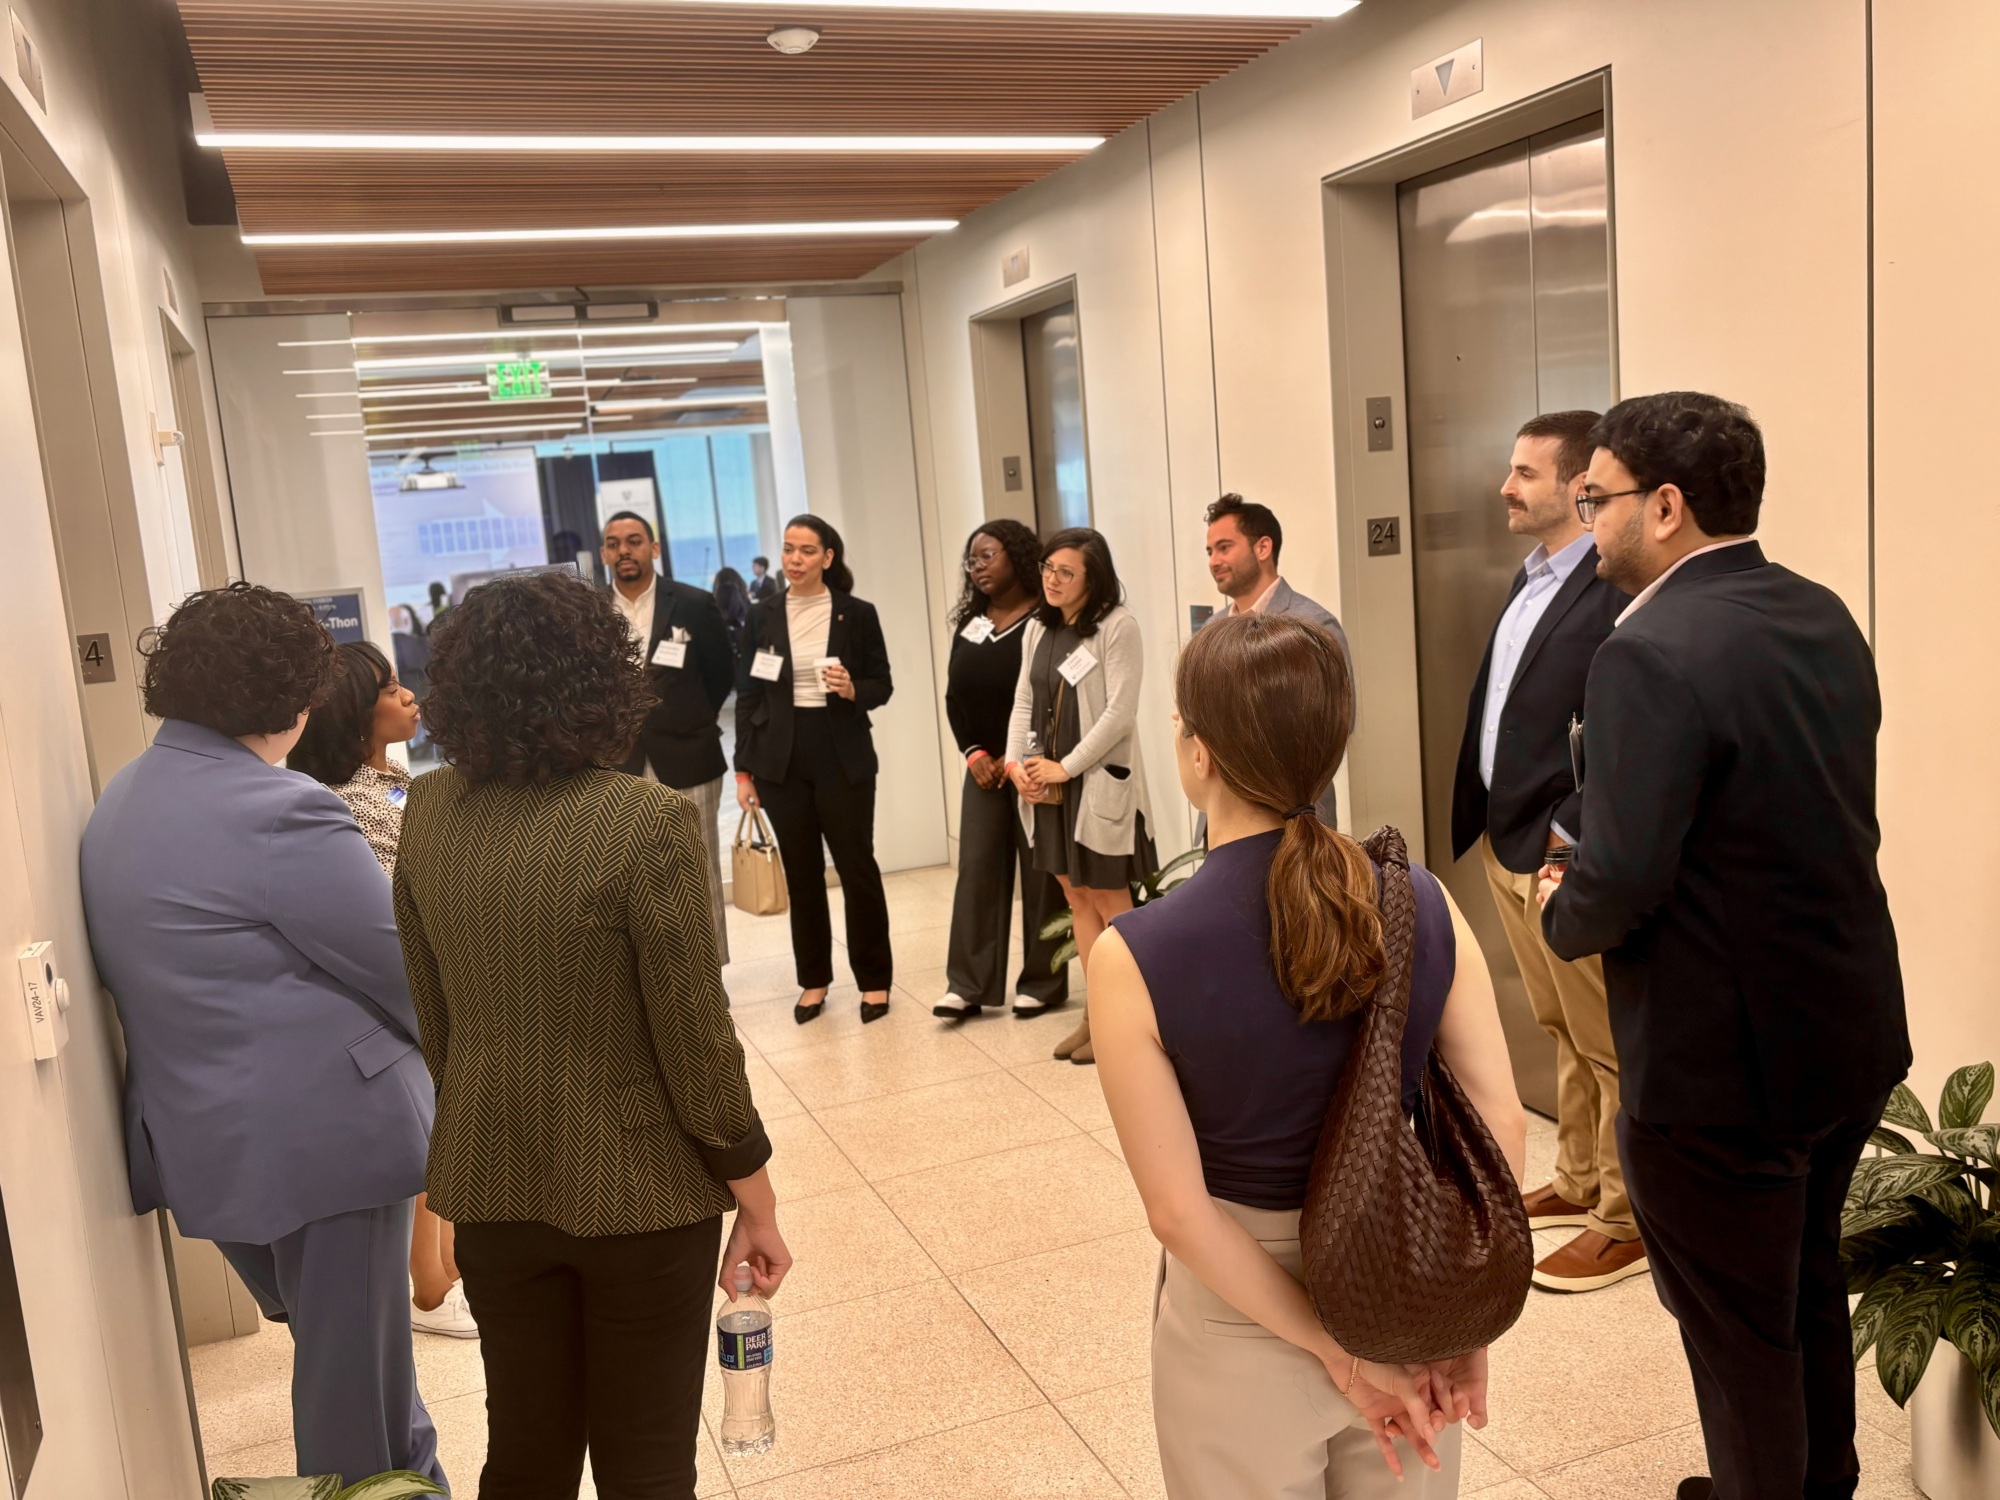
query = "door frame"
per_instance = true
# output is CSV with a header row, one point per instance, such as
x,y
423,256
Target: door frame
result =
x,y
1365,334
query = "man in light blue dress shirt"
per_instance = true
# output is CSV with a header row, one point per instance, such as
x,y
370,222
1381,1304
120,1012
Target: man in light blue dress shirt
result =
x,y
1516,797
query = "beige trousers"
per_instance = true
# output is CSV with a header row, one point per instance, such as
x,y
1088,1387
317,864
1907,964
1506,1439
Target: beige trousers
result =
x,y
707,799
1243,1415
1568,1001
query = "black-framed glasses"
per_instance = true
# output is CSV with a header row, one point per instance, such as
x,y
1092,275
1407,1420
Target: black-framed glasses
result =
x,y
1588,505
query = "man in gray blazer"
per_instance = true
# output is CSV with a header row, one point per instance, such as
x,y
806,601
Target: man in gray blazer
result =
x,y
1244,540
275,1099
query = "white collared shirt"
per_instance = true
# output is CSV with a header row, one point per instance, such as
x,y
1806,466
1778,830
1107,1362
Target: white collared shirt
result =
x,y
1256,607
638,612
1653,588
1547,573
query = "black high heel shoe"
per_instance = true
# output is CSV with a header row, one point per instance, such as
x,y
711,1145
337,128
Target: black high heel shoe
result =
x,y
873,1012
804,1013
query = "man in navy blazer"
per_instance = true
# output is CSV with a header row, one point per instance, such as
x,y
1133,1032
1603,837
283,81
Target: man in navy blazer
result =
x,y
275,1098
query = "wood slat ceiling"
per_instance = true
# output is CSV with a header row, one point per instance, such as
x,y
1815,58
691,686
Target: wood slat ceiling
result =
x,y
630,67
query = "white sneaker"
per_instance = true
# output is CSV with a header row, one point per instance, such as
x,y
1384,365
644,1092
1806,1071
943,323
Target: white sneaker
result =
x,y
451,1317
1026,1006
955,1008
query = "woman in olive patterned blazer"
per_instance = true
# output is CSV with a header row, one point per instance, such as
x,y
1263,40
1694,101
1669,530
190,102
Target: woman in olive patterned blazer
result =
x,y
593,1119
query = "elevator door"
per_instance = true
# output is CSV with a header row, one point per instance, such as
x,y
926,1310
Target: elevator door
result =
x,y
1506,313
1055,418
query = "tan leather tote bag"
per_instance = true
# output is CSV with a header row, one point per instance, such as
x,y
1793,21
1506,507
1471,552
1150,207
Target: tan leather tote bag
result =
x,y
1415,1240
756,878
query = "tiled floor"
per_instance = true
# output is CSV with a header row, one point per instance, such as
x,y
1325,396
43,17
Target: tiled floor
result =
x,y
968,1317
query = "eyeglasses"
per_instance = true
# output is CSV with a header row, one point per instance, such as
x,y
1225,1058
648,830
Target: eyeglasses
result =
x,y
1063,576
1588,505
977,560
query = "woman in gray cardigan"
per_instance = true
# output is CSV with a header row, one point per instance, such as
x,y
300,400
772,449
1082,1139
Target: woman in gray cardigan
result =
x,y
1072,748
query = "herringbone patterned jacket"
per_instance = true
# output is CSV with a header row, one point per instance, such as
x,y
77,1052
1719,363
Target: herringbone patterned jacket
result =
x,y
563,965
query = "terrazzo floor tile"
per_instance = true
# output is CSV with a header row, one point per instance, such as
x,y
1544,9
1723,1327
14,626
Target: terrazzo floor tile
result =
x,y
805,1161
1523,1489
1072,1088
1078,1318
263,1461
866,1375
244,1391
1108,1139
1117,1423
884,1061
942,1123
1479,1467
774,1101
769,1023
756,981
1018,1043
1015,1203
1028,1453
845,1245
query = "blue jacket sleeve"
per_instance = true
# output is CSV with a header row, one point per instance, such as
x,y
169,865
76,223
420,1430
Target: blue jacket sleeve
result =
x,y
326,894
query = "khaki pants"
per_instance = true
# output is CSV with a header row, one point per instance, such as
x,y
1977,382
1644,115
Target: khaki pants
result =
x,y
707,800
1243,1415
1568,1001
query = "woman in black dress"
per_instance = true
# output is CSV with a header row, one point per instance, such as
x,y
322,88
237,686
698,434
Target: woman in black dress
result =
x,y
1073,746
1003,570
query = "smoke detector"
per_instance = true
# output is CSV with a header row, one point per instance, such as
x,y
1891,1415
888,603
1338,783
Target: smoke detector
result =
x,y
792,40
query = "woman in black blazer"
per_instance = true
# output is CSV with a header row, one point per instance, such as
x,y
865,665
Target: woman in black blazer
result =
x,y
803,752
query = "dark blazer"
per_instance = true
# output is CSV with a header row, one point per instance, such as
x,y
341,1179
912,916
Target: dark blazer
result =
x,y
764,709
1532,782
1728,875
562,960
763,588
681,737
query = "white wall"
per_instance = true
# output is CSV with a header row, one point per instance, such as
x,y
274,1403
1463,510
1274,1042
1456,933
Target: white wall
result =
x,y
860,474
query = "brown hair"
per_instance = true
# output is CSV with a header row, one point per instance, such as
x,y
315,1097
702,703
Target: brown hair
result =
x,y
1570,429
1271,698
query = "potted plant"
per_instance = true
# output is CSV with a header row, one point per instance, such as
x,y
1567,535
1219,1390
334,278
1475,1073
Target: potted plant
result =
x,y
397,1484
1921,1244
1063,923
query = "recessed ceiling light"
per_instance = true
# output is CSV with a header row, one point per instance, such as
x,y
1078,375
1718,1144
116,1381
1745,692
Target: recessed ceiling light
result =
x,y
793,40
871,228
969,145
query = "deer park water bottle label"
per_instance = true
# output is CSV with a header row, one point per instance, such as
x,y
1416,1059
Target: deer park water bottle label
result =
x,y
743,1351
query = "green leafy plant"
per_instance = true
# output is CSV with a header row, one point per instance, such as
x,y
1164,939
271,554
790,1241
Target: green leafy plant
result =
x,y
1063,923
1921,1239
397,1484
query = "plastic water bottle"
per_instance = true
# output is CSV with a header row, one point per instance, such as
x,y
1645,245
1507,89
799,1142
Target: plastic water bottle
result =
x,y
743,1349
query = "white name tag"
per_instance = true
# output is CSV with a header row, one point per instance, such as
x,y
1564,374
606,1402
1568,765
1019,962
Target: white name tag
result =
x,y
766,666
397,795
670,654
978,629
1078,665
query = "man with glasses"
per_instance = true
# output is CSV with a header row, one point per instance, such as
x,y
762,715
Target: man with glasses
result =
x,y
1727,874
1515,797
691,669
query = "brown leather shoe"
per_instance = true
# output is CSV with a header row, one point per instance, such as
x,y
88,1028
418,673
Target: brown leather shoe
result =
x,y
1590,1261
1548,1209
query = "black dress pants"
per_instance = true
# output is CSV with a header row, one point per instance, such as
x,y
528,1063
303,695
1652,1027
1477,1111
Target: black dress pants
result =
x,y
597,1342
991,843
1742,1229
816,801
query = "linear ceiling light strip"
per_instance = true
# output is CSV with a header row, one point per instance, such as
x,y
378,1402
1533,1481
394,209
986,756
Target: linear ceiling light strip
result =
x,y
863,228
965,145
559,425
594,331
676,354
1225,10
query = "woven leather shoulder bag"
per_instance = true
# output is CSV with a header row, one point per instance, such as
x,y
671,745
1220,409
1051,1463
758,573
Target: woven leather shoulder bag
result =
x,y
1415,1241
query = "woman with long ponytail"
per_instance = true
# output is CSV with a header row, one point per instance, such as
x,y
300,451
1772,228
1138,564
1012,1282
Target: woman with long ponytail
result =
x,y
1223,1015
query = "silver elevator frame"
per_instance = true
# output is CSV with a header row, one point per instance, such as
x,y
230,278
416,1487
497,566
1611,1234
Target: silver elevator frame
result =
x,y
1418,612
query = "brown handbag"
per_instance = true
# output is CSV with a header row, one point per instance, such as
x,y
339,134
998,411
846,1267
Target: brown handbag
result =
x,y
756,878
1415,1241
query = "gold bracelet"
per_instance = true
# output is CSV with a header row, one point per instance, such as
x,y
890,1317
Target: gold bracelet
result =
x,y
1353,1370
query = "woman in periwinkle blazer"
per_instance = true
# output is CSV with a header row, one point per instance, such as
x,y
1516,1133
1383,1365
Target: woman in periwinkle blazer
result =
x,y
1073,737
594,1122
275,1099
804,753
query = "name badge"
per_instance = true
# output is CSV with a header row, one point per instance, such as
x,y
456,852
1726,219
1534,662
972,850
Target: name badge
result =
x,y
1078,665
978,629
670,654
396,796
766,666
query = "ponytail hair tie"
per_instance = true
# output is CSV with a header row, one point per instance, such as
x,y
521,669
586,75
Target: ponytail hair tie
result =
x,y
1304,810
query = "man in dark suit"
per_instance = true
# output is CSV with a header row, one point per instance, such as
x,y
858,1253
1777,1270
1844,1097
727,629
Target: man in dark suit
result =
x,y
1515,797
762,584
1727,874
686,646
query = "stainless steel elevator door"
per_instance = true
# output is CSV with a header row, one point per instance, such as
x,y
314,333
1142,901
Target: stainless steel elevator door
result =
x,y
1506,313
1055,418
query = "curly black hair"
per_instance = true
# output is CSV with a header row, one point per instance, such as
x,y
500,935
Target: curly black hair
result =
x,y
534,677
340,733
1024,551
240,660
1709,448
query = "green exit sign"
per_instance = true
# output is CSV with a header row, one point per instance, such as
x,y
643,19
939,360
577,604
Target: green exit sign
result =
x,y
518,380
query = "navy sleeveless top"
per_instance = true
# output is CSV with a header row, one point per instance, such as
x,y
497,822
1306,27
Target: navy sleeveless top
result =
x,y
1258,1081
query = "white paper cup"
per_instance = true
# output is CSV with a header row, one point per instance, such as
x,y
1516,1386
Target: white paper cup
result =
x,y
820,667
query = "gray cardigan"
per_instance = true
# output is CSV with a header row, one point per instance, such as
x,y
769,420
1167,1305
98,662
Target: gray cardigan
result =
x,y
1107,706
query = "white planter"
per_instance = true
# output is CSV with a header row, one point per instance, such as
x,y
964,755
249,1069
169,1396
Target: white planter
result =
x,y
1953,1452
